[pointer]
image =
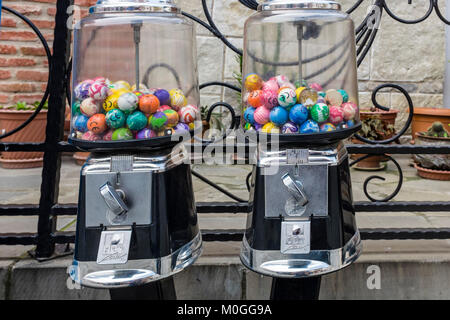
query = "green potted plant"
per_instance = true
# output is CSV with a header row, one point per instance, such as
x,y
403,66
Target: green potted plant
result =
x,y
433,166
376,125
10,118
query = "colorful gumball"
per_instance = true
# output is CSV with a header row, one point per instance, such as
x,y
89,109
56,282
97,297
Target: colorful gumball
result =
x,y
189,114
163,96
289,128
249,115
349,111
127,102
110,102
270,128
270,85
90,136
76,108
181,127
279,116
177,99
257,126
142,87
319,112
288,85
148,103
298,91
98,91
255,98
309,126
122,134
344,95
261,115
163,108
322,94
80,123
315,86
172,117
158,121
81,91
101,80
145,133
308,97
108,135
253,82
138,94
327,127
270,99
115,118
89,107
336,115
281,79
121,85
286,97
247,126
298,114
136,121
97,123
299,83
334,98
350,123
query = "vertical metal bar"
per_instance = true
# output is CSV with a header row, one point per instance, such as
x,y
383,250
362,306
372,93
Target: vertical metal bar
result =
x,y
300,53
137,41
159,290
54,130
295,289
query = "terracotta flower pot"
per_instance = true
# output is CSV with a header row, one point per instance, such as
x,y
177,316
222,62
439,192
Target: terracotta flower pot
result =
x,y
371,163
33,132
432,166
81,157
423,118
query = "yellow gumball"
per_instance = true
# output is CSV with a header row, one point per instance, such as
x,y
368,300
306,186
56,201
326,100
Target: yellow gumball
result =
x,y
191,126
253,82
177,99
111,102
121,85
141,87
298,91
270,127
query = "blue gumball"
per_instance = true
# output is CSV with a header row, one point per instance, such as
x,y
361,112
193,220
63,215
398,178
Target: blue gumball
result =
x,y
309,126
298,114
279,116
350,123
80,123
249,115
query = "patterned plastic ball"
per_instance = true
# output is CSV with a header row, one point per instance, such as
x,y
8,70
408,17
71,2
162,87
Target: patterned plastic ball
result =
x,y
253,82
122,134
139,94
141,87
319,112
309,126
289,127
172,117
163,108
279,116
76,108
315,86
145,133
89,107
270,85
163,96
334,98
97,123
98,91
270,128
349,111
189,114
286,97
158,121
288,85
80,123
249,115
336,115
177,99
350,123
344,95
261,115
298,91
281,79
270,99
108,135
255,98
101,80
115,118
90,136
322,94
136,121
121,85
327,127
308,97
81,91
148,103
181,127
127,102
298,114
110,102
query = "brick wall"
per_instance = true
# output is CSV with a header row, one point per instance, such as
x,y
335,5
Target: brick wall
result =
x,y
23,62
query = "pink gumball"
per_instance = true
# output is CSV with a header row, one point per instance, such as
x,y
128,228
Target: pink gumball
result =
x,y
271,85
336,115
270,99
98,91
315,86
281,79
108,135
163,108
349,110
261,115
90,136
288,85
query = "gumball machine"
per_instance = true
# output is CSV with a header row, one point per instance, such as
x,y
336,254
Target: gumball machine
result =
x,y
135,95
300,94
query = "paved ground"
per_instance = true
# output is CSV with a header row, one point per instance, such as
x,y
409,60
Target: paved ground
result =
x,y
23,186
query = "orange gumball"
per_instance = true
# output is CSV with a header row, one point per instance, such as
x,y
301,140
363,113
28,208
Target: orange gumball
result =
x,y
97,123
256,98
148,103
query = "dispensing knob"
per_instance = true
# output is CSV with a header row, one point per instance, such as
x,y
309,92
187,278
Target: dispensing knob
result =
x,y
295,188
114,199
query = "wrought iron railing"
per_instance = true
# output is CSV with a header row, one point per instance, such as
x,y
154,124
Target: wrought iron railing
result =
x,y
57,92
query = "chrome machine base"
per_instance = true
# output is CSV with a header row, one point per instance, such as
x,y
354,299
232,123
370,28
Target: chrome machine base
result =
x,y
135,272
315,263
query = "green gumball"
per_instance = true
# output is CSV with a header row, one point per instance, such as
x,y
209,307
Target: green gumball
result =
x,y
76,108
319,112
136,121
122,134
115,118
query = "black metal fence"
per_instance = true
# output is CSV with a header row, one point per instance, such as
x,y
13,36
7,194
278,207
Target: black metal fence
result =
x,y
49,209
